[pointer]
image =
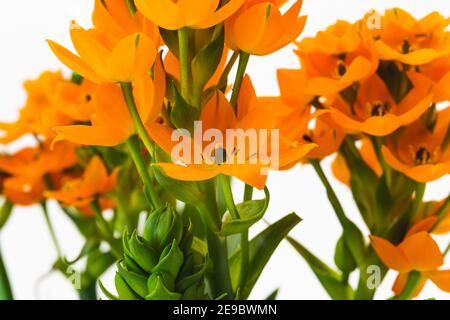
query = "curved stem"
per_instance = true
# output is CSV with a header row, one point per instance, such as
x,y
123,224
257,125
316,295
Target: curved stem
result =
x,y
243,62
183,45
127,91
51,229
5,286
226,71
133,147
330,192
413,281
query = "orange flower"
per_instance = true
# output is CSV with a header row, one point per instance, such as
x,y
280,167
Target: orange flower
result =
x,y
121,48
94,184
111,122
410,41
39,115
420,153
246,165
113,19
75,100
428,212
376,113
259,28
25,170
178,14
417,252
336,59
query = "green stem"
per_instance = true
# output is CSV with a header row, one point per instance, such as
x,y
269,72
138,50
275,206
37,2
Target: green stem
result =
x,y
420,191
51,229
377,143
330,192
245,259
127,91
133,147
447,249
183,44
5,286
228,196
105,230
219,280
226,72
442,212
243,62
90,292
410,287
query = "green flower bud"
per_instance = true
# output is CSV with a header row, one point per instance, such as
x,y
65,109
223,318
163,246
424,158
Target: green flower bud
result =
x,y
162,227
161,265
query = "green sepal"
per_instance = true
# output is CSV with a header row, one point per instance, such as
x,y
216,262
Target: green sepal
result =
x,y
158,291
250,212
182,114
205,63
135,281
171,261
124,290
143,255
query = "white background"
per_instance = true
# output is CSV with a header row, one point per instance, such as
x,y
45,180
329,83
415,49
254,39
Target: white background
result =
x,y
28,251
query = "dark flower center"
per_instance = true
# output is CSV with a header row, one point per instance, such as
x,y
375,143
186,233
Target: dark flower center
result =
x,y
380,109
422,156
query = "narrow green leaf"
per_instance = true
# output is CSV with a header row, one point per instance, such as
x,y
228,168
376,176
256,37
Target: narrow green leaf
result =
x,y
262,248
330,279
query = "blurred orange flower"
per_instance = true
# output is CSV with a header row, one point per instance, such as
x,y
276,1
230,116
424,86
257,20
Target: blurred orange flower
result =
x,y
259,28
420,153
93,185
376,113
410,41
75,100
111,122
39,115
173,15
336,59
417,252
25,171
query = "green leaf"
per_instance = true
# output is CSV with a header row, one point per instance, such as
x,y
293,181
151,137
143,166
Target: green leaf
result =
x,y
250,212
5,212
206,61
183,115
273,295
330,279
105,291
343,257
261,248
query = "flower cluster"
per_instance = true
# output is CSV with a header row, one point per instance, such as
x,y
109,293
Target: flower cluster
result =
x,y
151,121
